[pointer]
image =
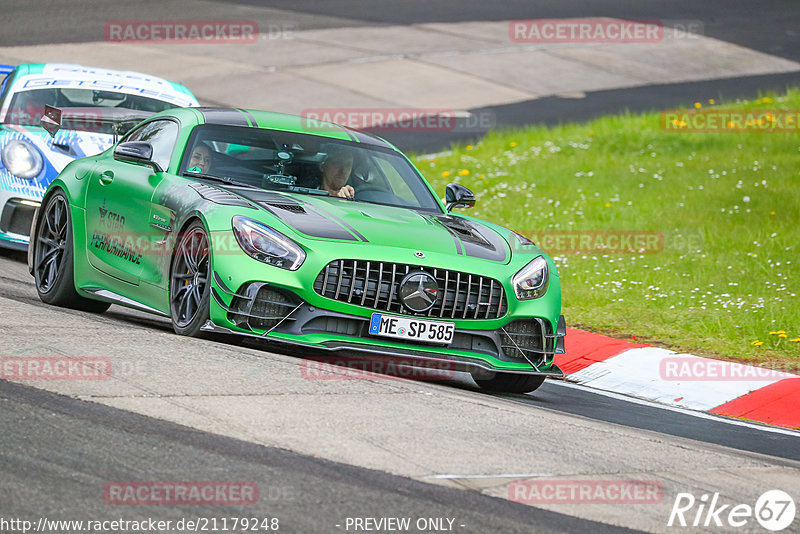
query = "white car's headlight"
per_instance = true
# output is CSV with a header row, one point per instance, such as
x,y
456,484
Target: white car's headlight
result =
x,y
532,280
22,159
265,244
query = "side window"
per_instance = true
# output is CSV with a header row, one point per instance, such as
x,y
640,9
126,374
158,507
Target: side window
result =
x,y
396,182
162,135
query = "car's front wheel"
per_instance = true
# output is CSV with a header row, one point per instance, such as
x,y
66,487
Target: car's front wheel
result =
x,y
510,383
189,287
53,266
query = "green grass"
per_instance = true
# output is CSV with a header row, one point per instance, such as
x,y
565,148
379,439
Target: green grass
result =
x,y
726,204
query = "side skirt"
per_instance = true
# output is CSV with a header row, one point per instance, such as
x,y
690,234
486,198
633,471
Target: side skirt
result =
x,y
114,298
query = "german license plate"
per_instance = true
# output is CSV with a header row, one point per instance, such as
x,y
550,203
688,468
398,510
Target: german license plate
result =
x,y
440,332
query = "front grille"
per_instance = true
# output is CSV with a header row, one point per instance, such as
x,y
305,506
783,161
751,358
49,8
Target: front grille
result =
x,y
16,218
374,285
21,221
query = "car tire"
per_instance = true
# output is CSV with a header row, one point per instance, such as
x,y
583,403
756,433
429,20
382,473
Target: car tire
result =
x,y
190,284
54,268
511,383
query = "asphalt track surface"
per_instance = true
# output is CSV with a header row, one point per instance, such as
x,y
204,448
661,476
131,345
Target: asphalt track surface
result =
x,y
770,26
59,452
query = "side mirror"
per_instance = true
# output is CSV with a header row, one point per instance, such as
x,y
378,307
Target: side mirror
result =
x,y
136,152
458,196
51,120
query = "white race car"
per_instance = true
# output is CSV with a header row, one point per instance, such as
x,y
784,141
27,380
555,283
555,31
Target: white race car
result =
x,y
97,105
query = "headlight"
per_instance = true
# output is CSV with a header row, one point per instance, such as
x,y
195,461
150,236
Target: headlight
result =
x,y
532,280
22,159
265,244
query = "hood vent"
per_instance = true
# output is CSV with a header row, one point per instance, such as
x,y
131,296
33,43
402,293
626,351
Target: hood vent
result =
x,y
220,196
294,208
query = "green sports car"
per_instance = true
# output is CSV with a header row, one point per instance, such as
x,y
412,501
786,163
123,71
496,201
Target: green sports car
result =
x,y
252,223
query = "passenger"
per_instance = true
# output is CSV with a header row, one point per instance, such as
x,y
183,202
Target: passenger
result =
x,y
201,159
336,171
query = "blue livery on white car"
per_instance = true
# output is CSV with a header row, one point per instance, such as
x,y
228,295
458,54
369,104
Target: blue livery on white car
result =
x,y
97,105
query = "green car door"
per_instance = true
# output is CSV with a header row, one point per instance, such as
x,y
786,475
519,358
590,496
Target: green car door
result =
x,y
118,206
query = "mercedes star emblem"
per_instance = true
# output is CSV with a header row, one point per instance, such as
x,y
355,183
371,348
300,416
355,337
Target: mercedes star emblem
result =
x,y
419,291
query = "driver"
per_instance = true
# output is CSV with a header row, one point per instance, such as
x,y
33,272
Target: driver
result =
x,y
201,159
336,171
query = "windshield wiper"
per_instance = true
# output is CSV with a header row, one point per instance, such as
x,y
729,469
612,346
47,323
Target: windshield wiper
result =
x,y
222,179
278,187
308,190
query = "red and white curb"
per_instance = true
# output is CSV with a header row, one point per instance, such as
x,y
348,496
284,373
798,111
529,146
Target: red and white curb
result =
x,y
681,380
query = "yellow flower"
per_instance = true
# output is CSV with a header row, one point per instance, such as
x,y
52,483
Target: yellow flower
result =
x,y
445,174
782,335
711,101
796,340
512,144
463,172
469,147
679,124
766,100
698,105
781,332
757,343
481,176
730,124
772,213
773,333
608,205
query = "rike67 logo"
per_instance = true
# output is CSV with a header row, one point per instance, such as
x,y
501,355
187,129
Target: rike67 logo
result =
x,y
774,510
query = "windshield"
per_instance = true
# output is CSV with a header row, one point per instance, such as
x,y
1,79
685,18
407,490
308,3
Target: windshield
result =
x,y
27,107
304,163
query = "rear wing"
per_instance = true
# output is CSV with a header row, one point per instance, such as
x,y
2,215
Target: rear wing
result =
x,y
116,121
